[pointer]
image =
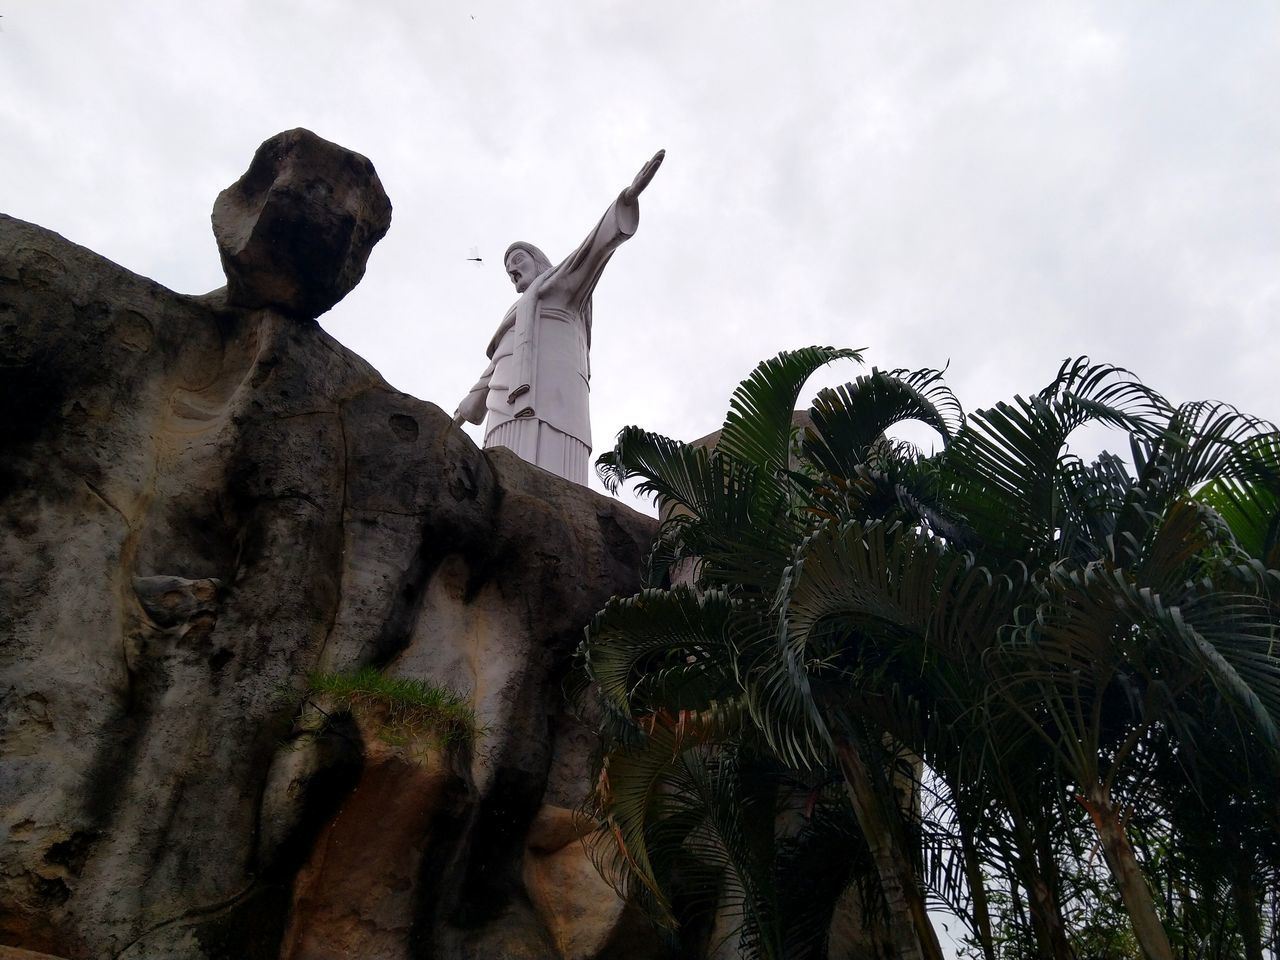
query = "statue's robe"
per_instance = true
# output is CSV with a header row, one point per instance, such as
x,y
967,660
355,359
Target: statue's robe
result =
x,y
536,390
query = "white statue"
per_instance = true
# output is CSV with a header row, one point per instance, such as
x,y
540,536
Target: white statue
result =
x,y
536,388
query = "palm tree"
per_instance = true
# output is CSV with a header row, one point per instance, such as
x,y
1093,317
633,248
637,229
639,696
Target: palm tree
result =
x,y
1117,656
740,510
1038,630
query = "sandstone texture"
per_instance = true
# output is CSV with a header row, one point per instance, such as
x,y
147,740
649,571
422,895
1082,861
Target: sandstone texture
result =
x,y
203,500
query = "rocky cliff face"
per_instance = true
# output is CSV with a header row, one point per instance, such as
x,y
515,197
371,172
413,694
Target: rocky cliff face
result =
x,y
202,501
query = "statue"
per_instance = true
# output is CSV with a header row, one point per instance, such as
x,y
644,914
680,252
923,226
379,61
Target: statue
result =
x,y
536,388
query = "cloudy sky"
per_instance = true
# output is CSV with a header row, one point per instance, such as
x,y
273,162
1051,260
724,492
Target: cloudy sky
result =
x,y
999,186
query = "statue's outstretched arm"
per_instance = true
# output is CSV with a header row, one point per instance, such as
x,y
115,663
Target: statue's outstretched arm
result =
x,y
581,270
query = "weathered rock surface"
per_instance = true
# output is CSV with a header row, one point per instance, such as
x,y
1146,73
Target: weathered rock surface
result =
x,y
200,503
296,230
12,953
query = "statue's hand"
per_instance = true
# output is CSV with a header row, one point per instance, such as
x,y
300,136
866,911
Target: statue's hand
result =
x,y
643,177
458,418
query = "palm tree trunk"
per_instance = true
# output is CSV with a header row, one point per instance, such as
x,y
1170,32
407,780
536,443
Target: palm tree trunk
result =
x,y
1045,888
910,932
978,888
1249,910
1135,892
1030,866
1047,921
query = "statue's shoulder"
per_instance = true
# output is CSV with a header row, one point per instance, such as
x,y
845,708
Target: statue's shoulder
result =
x,y
556,282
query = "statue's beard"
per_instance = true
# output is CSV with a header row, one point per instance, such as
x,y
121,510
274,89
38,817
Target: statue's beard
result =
x,y
524,281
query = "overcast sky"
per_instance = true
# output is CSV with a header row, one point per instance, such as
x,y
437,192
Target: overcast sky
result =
x,y
1000,186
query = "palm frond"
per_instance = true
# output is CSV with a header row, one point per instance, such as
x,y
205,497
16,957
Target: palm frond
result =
x,y
1090,498
661,650
681,821
1102,633
1185,538
1200,441
728,516
848,421
673,472
881,595
1085,391
757,428
1004,466
1247,496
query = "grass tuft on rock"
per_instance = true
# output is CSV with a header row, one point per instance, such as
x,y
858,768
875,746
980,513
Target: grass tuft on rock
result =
x,y
406,708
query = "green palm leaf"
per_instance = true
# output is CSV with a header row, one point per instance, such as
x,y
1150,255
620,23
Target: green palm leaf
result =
x,y
661,650
1090,499
680,820
848,421
757,428
730,516
1004,466
1084,391
1100,627
1247,496
1201,440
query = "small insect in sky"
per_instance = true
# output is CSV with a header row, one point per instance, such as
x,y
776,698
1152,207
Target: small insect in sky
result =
x,y
475,255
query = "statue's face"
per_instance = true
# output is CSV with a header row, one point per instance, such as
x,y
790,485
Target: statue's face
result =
x,y
522,269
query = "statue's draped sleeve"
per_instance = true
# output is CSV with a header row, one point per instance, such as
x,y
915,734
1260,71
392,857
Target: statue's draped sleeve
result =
x,y
472,408
567,286
578,275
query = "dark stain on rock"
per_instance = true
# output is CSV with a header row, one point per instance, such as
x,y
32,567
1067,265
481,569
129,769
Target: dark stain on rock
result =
x,y
253,927
404,427
72,852
462,482
93,316
497,846
403,616
266,366
622,546
444,856
250,929
51,890
31,394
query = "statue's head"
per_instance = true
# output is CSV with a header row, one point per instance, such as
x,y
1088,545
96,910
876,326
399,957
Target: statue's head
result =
x,y
524,263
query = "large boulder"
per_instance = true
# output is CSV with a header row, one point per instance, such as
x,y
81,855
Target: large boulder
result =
x,y
296,230
203,501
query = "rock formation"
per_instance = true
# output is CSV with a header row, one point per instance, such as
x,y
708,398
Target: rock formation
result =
x,y
202,501
296,230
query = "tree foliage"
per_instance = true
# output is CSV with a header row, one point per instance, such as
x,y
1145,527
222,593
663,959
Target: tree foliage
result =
x,y
993,677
